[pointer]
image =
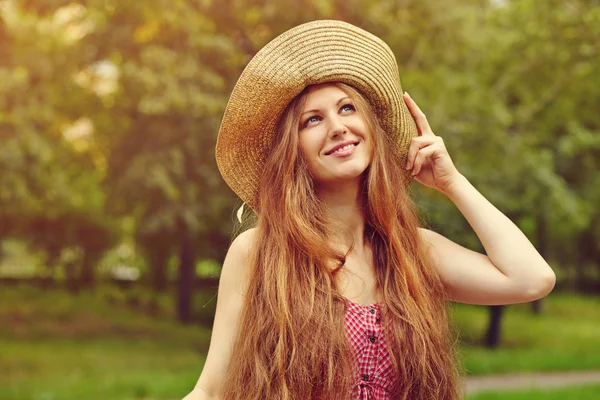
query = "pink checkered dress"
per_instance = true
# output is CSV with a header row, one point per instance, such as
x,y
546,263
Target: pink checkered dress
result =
x,y
365,332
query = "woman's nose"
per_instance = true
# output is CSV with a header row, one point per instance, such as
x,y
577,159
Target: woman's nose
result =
x,y
337,127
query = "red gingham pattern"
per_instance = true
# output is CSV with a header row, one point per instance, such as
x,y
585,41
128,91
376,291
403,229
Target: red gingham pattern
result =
x,y
365,333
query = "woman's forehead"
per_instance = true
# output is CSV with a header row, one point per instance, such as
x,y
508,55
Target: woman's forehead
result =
x,y
323,92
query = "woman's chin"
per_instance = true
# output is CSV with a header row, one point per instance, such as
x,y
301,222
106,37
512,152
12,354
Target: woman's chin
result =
x,y
340,177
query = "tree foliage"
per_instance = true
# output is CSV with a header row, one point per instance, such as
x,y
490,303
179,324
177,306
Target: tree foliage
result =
x,y
111,109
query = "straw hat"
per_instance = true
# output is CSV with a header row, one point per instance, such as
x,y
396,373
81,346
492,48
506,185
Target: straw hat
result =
x,y
311,53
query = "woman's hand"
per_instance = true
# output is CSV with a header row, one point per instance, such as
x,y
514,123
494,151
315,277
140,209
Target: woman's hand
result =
x,y
428,158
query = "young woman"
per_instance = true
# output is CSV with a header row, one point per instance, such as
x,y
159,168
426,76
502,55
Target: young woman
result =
x,y
337,292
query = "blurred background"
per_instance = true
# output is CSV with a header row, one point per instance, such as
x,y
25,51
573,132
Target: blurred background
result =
x,y
114,220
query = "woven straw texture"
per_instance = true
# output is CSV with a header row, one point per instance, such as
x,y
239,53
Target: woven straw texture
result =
x,y
308,54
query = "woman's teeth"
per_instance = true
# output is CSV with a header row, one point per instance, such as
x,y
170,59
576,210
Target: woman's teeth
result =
x,y
346,147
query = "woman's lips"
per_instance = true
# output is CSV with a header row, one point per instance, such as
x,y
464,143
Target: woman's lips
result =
x,y
344,152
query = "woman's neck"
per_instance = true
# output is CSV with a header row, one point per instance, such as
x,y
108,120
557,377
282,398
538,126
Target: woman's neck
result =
x,y
343,203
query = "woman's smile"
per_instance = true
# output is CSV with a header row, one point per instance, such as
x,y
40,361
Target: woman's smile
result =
x,y
344,151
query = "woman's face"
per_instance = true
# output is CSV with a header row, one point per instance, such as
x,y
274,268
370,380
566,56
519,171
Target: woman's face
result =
x,y
333,136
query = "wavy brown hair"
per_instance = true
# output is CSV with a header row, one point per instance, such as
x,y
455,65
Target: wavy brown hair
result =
x,y
291,343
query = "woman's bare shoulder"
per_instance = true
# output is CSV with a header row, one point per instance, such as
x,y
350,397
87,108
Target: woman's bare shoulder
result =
x,y
236,265
246,237
243,242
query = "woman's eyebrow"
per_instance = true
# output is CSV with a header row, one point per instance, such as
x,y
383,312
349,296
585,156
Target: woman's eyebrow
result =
x,y
338,102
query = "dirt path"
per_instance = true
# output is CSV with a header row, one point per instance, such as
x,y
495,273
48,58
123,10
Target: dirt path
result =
x,y
477,384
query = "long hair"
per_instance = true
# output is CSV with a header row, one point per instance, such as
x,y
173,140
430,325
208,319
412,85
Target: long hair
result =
x,y
291,342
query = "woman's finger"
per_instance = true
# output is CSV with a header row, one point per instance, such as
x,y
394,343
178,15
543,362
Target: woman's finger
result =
x,y
417,144
422,156
419,116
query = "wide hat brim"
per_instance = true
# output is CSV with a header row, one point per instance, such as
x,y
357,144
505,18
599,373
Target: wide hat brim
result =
x,y
311,53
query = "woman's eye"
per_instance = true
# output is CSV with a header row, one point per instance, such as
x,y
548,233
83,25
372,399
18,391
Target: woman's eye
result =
x,y
315,118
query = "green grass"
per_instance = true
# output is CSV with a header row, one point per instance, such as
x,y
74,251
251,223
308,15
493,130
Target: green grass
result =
x,y
110,344
101,345
571,393
98,369
566,336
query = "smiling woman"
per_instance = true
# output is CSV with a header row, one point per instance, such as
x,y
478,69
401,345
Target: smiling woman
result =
x,y
337,293
333,136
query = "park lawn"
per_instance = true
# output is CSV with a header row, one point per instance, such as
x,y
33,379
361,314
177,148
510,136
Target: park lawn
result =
x,y
94,346
106,344
96,369
566,336
589,392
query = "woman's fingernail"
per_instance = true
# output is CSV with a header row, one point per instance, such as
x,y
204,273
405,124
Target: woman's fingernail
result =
x,y
407,94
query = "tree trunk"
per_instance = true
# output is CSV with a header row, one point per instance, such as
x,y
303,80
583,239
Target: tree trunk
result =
x,y
88,276
158,276
185,281
71,276
537,306
492,339
157,250
158,271
585,242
